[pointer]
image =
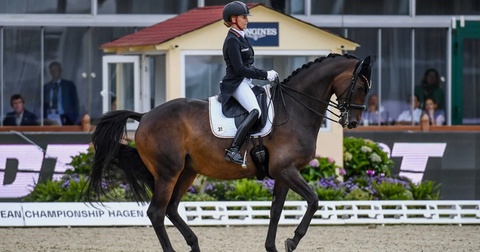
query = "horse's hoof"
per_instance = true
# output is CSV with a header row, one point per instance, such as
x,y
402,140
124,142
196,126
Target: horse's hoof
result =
x,y
289,245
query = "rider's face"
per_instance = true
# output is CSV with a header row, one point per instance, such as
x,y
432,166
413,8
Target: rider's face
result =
x,y
240,22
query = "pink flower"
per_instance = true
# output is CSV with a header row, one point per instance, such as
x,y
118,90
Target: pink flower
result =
x,y
314,163
331,160
370,172
342,171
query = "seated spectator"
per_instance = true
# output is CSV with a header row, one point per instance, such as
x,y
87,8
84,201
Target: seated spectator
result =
x,y
374,114
435,116
19,116
406,118
430,87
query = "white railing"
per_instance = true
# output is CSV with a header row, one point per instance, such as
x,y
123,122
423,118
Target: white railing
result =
x,y
336,212
225,213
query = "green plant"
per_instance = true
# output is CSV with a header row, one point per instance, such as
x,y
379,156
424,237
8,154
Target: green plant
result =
x,y
364,157
218,189
358,194
426,190
293,196
329,193
249,190
68,189
82,163
319,167
198,197
46,191
392,191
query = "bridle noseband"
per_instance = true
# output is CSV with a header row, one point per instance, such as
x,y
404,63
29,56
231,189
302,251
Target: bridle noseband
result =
x,y
347,104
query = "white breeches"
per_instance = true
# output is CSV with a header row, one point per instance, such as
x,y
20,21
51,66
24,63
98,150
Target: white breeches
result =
x,y
245,96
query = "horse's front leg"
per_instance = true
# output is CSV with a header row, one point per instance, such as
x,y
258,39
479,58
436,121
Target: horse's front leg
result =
x,y
280,191
296,182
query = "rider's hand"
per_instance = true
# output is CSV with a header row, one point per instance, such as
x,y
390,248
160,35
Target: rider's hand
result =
x,y
272,75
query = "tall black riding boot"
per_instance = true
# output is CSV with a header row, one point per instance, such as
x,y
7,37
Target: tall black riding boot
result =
x,y
233,153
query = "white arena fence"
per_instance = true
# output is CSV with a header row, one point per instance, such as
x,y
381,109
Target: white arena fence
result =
x,y
205,213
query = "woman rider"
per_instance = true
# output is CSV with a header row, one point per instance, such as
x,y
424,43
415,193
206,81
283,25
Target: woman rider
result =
x,y
237,83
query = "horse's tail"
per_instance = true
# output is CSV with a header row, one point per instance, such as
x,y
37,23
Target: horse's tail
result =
x,y
111,156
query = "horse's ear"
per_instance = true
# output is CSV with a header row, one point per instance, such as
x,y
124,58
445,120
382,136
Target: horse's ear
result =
x,y
370,60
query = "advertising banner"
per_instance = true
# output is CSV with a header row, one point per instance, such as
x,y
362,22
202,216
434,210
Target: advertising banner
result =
x,y
27,157
449,158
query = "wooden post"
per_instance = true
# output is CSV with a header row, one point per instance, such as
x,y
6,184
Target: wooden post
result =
x,y
86,125
425,122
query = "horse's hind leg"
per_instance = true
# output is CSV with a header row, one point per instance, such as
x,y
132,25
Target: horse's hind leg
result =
x,y
296,182
280,191
183,183
157,210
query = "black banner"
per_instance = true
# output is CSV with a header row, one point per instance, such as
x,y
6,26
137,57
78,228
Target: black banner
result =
x,y
449,158
26,158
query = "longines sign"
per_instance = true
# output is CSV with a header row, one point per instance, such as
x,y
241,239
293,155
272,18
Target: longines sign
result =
x,y
262,34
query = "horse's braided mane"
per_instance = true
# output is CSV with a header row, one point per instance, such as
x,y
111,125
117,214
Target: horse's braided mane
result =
x,y
319,59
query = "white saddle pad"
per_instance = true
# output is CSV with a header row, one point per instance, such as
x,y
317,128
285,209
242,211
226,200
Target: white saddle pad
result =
x,y
224,127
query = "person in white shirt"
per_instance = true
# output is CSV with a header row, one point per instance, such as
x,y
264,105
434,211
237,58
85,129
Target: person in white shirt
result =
x,y
406,118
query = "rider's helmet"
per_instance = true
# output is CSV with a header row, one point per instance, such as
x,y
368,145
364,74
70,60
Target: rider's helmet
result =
x,y
235,8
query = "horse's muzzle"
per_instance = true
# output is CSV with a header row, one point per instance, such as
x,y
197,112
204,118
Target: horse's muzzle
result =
x,y
352,125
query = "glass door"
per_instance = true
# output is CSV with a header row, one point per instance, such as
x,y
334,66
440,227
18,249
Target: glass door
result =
x,y
466,73
121,84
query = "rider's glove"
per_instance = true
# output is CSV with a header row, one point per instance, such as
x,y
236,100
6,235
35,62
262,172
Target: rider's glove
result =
x,y
272,75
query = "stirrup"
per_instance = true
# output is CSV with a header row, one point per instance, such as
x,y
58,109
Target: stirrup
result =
x,y
233,156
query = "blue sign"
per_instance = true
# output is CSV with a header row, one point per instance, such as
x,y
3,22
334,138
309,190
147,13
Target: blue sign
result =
x,y
262,34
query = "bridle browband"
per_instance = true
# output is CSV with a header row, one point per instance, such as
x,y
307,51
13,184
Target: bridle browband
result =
x,y
343,107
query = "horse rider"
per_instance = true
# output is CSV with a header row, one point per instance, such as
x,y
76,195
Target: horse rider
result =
x,y
237,83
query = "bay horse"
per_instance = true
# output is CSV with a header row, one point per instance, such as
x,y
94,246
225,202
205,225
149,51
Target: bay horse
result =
x,y
174,144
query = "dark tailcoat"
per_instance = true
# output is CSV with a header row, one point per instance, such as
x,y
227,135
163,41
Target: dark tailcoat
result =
x,y
238,55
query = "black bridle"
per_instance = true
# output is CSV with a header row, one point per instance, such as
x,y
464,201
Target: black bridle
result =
x,y
343,107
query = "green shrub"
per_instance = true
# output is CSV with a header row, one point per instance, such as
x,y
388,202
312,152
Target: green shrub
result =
x,y
358,194
249,190
426,190
218,189
293,196
198,197
392,191
325,193
319,167
364,157
82,163
69,189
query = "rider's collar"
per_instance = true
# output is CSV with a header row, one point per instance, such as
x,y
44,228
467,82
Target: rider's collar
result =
x,y
242,33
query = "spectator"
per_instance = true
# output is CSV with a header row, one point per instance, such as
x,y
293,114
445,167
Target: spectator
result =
x,y
374,114
113,103
60,98
19,116
430,87
435,116
406,118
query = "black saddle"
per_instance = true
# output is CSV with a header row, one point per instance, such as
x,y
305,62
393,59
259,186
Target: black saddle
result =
x,y
235,110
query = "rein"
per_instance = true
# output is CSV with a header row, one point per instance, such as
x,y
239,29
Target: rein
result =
x,y
343,107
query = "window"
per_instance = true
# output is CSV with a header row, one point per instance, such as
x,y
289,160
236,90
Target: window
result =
x,y
448,7
46,6
22,68
145,6
355,7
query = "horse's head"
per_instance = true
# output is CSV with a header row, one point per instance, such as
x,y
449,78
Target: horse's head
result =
x,y
351,92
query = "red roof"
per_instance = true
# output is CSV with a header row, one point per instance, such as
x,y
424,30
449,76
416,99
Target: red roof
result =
x,y
171,28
